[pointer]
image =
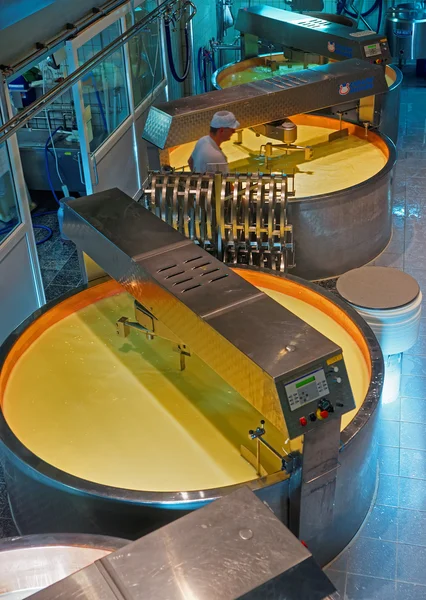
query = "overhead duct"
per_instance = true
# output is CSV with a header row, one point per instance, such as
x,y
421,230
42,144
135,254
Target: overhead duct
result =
x,y
187,119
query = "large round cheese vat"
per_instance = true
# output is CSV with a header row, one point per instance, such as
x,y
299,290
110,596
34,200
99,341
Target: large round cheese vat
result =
x,y
342,211
123,438
259,67
32,563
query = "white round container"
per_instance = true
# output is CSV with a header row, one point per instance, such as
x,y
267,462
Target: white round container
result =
x,y
389,300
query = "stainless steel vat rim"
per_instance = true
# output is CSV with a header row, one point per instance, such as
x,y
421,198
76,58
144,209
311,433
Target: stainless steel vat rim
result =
x,y
183,500
231,64
215,75
82,540
307,200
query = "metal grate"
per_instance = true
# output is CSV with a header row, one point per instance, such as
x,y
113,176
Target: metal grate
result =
x,y
191,274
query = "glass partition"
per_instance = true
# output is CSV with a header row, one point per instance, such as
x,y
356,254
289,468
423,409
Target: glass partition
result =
x,y
145,53
9,211
106,102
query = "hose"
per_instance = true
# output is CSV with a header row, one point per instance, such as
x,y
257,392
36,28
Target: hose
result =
x,y
46,164
341,7
9,228
204,57
202,68
178,78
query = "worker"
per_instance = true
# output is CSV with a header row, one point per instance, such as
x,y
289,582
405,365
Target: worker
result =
x,y
207,157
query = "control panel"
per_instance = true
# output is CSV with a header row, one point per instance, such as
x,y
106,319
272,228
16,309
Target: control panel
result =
x,y
315,396
377,52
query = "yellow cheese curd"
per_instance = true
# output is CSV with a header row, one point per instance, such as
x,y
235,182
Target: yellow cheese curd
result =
x,y
118,411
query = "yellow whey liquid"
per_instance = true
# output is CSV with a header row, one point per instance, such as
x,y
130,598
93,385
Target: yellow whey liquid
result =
x,y
335,165
118,411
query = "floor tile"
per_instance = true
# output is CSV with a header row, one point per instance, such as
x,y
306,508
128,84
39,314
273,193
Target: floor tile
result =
x,y
388,491
411,527
389,259
412,493
359,587
396,245
419,349
338,578
411,564
413,435
388,460
381,524
413,463
340,563
413,410
389,433
391,411
413,387
414,365
409,591
373,557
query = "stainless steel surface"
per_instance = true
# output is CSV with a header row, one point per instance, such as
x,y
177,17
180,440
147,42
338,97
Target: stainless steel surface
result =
x,y
406,31
240,218
339,19
14,124
387,120
240,332
43,498
234,548
319,36
188,119
31,148
334,233
31,563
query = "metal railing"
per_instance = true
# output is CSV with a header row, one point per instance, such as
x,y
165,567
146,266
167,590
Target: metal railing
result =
x,y
12,126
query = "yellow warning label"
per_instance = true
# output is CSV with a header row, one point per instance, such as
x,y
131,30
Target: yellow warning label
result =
x,y
334,359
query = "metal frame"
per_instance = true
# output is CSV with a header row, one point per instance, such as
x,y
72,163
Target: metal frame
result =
x,y
91,159
24,229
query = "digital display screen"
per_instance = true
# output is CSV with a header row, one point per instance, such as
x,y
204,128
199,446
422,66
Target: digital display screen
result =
x,y
305,382
309,388
372,50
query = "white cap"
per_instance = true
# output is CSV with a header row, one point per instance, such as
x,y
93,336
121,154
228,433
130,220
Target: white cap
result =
x,y
225,119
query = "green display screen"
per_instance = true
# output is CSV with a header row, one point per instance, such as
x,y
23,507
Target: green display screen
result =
x,y
305,382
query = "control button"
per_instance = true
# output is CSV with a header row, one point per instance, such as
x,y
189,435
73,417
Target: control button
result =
x,y
303,421
334,370
313,417
321,414
337,379
378,61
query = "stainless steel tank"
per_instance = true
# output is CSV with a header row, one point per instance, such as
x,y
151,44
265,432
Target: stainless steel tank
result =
x,y
390,102
337,231
29,564
46,499
406,31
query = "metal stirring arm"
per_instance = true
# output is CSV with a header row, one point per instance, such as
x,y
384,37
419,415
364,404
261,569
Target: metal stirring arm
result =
x,y
240,219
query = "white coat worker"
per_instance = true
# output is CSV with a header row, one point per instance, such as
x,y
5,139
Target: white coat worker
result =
x,y
207,157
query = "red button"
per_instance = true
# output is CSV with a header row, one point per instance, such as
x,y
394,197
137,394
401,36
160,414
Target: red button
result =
x,y
303,421
324,414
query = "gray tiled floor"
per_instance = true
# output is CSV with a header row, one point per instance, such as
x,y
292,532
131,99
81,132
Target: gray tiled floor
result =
x,y
387,561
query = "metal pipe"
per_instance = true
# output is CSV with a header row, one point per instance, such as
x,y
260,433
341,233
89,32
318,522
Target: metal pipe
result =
x,y
12,126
